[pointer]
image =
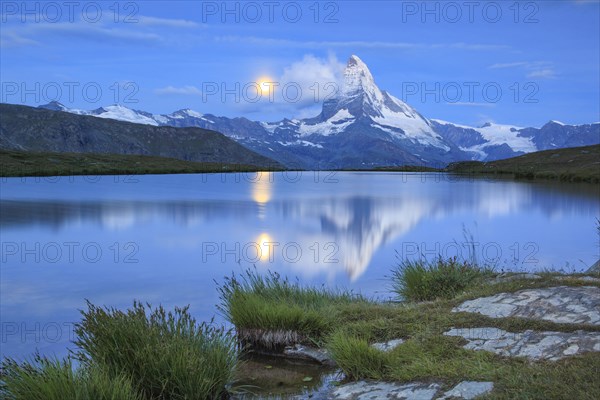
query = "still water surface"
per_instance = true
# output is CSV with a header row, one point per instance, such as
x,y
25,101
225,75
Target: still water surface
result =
x,y
167,238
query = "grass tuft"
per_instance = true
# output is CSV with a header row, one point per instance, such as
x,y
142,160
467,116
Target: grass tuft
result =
x,y
167,355
48,379
357,358
270,311
423,280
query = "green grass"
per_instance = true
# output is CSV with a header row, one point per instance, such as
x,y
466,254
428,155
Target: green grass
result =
x,y
46,379
429,355
575,164
423,280
357,358
151,354
350,324
442,359
166,355
20,163
270,311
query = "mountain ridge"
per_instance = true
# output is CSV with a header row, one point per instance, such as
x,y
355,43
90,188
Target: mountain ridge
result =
x,y
364,127
25,128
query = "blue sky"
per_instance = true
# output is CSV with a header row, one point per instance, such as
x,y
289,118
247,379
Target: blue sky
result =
x,y
520,63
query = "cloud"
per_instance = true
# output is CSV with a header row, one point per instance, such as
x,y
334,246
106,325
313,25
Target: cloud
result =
x,y
522,64
510,65
300,88
34,34
546,73
262,41
13,39
100,32
172,23
536,69
185,90
317,78
145,29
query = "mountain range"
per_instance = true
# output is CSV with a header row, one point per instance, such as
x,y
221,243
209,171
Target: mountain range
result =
x,y
363,126
32,129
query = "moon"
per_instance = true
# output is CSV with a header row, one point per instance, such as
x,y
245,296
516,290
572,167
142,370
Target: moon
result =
x,y
265,84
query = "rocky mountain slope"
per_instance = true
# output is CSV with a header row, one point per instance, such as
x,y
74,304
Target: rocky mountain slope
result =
x,y
41,130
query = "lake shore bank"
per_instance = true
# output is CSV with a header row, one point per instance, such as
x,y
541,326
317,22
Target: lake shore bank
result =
x,y
577,164
29,164
497,335
536,343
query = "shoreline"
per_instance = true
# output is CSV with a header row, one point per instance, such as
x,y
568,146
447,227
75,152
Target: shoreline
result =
x,y
435,348
363,354
569,165
19,164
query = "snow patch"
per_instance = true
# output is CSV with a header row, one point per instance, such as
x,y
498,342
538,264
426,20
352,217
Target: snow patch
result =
x,y
442,122
301,143
332,126
341,115
160,118
423,139
193,113
270,127
480,154
125,114
496,134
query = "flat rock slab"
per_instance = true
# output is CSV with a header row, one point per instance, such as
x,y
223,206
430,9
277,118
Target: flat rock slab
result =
x,y
531,344
469,390
372,390
562,304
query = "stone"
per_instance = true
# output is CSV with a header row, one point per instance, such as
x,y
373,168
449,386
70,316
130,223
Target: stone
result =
x,y
389,345
469,390
374,390
309,353
562,304
533,345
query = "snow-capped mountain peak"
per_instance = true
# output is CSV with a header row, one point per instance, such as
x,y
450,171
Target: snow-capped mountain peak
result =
x,y
363,125
359,84
361,100
358,80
